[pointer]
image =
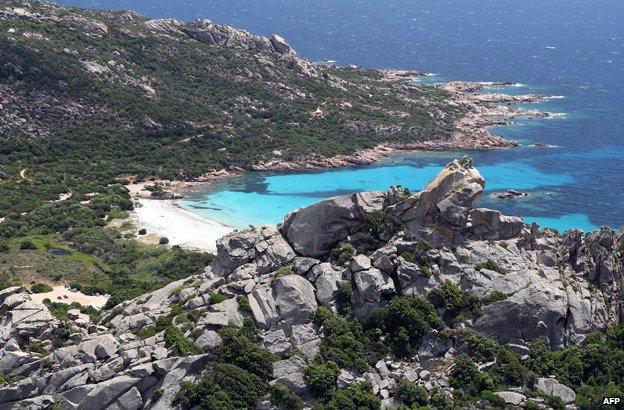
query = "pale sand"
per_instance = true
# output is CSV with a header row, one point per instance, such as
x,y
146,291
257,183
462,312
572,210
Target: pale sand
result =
x,y
97,302
181,227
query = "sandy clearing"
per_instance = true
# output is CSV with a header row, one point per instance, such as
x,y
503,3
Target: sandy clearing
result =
x,y
63,294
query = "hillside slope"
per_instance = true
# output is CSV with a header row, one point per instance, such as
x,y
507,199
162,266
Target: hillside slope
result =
x,y
180,99
359,301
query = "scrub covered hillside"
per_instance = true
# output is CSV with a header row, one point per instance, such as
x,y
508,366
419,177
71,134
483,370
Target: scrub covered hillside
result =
x,y
89,98
91,95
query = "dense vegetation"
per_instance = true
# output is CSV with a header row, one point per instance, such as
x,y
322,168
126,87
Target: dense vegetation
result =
x,y
173,107
594,370
237,376
93,99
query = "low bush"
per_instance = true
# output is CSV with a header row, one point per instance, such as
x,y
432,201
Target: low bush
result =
x,y
322,377
358,396
283,397
411,394
41,288
489,264
218,298
406,319
26,245
341,254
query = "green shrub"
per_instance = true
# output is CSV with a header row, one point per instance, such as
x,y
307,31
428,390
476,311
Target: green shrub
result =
x,y
41,288
36,347
218,298
425,246
464,371
439,400
322,378
4,247
26,245
478,346
531,405
343,342
454,301
283,271
283,397
142,231
60,336
489,264
341,254
343,299
357,396
322,314
163,241
494,400
59,310
179,344
225,386
411,394
243,304
555,402
408,256
426,270
240,347
243,388
492,297
147,332
406,319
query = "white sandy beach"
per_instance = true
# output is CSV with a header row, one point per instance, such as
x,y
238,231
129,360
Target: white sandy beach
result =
x,y
183,228
62,294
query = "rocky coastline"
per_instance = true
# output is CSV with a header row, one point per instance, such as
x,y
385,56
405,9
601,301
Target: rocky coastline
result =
x,y
384,245
472,131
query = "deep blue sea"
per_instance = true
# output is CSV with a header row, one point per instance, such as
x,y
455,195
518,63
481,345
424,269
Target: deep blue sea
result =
x,y
568,48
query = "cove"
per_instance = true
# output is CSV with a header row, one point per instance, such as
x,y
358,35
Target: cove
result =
x,y
265,198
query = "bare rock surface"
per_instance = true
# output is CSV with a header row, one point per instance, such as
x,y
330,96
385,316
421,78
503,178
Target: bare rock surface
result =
x,y
555,288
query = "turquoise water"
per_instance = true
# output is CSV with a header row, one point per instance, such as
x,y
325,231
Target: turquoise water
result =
x,y
258,199
569,48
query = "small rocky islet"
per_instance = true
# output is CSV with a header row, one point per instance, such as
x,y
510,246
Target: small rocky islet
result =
x,y
485,281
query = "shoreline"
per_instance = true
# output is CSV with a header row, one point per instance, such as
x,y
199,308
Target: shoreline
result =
x,y
163,217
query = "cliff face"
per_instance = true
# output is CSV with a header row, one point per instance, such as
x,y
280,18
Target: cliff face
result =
x,y
380,245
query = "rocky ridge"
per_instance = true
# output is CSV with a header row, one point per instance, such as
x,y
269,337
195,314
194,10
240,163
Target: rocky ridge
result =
x,y
556,288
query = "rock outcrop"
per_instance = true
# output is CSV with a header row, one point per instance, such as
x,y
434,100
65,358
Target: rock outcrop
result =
x,y
554,288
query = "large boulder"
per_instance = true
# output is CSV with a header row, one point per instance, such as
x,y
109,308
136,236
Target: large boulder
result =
x,y
372,286
554,388
326,284
295,301
291,373
222,314
287,301
492,225
265,247
446,200
537,311
315,230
